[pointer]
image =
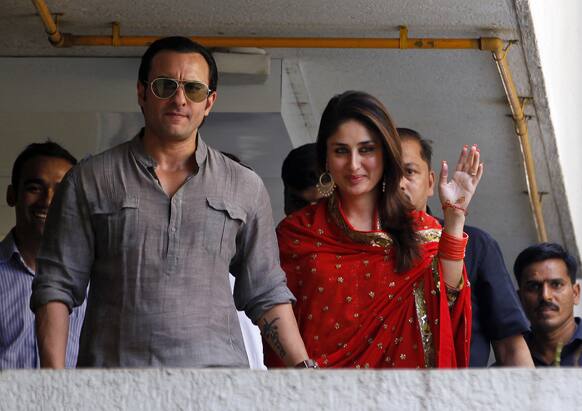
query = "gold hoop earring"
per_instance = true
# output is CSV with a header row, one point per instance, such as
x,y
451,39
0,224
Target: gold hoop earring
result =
x,y
326,185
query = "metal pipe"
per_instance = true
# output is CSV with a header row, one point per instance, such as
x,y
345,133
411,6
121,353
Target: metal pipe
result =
x,y
495,45
55,37
521,130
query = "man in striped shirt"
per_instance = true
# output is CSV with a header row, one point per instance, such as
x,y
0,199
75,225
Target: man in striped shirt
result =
x,y
36,174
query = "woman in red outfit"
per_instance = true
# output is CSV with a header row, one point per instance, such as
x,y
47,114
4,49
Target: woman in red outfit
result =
x,y
377,284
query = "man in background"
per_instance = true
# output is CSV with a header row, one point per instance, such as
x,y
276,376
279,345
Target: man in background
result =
x,y
546,275
36,174
300,176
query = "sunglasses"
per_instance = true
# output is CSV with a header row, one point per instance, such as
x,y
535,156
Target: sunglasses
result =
x,y
165,88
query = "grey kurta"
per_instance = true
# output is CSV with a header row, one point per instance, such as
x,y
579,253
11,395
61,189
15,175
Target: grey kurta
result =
x,y
158,266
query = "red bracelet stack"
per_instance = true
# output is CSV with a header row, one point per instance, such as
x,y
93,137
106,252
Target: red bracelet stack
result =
x,y
452,248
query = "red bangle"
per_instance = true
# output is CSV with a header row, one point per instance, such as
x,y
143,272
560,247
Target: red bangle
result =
x,y
448,204
452,248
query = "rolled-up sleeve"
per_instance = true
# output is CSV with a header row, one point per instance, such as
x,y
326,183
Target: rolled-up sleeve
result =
x,y
67,250
260,281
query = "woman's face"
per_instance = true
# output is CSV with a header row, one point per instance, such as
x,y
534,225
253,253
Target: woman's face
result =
x,y
354,159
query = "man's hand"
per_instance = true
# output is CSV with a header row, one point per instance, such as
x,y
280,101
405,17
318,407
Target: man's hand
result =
x,y
279,328
52,332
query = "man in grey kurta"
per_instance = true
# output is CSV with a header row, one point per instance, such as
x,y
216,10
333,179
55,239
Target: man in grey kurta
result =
x,y
157,253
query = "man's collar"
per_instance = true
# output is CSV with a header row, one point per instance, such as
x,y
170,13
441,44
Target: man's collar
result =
x,y
578,333
8,247
138,149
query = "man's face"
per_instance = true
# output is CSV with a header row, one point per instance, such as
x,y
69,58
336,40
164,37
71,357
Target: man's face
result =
x,y
548,295
176,118
39,179
418,180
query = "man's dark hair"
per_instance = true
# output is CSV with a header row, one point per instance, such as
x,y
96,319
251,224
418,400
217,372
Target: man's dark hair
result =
x,y
425,145
299,172
177,44
542,252
299,169
46,149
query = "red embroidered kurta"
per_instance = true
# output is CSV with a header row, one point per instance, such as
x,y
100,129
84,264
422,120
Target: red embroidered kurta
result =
x,y
354,310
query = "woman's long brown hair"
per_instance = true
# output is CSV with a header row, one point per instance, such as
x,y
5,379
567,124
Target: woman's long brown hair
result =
x,y
394,208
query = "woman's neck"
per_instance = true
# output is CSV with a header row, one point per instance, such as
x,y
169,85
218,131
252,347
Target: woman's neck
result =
x,y
360,211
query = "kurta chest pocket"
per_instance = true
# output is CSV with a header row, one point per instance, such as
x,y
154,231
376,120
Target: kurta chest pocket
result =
x,y
222,223
115,224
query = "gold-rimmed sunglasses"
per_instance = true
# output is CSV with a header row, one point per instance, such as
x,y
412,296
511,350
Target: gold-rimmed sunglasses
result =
x,y
165,88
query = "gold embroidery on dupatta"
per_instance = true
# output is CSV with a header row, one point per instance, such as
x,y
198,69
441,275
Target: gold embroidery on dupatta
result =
x,y
423,324
432,235
376,239
434,266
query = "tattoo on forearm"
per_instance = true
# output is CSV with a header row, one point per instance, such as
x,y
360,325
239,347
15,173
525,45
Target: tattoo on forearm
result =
x,y
271,334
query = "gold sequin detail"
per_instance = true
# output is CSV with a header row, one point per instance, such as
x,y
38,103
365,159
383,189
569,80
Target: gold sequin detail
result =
x,y
411,320
340,280
433,292
348,299
392,284
308,225
379,346
396,341
366,365
365,262
372,294
319,231
387,359
313,270
316,337
325,308
385,326
310,317
402,356
304,297
313,256
297,267
436,321
370,340
295,241
390,296
337,326
338,266
320,289
318,244
356,315
368,275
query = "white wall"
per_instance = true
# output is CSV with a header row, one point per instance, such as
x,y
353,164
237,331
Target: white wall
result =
x,y
558,30
305,390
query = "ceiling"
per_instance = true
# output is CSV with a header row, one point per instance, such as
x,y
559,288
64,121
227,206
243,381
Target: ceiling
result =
x,y
452,97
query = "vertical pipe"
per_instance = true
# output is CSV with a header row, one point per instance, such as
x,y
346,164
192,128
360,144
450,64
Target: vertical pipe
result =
x,y
499,55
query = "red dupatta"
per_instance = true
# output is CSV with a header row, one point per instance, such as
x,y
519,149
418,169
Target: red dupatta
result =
x,y
354,310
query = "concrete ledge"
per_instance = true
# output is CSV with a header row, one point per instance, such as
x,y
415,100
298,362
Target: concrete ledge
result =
x,y
225,389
